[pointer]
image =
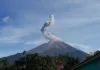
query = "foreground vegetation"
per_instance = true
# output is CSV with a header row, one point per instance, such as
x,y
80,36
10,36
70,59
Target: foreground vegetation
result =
x,y
37,62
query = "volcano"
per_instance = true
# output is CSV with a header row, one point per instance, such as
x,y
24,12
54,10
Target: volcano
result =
x,y
52,48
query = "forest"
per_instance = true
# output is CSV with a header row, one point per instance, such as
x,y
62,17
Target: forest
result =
x,y
38,62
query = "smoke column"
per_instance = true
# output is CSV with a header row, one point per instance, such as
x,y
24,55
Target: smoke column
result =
x,y
46,34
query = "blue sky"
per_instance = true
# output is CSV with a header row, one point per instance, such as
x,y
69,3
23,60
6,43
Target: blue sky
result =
x,y
77,23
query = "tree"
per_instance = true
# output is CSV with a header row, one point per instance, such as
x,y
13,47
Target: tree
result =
x,y
38,62
96,52
3,63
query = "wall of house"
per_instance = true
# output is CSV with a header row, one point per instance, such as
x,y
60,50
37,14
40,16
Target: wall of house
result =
x,y
93,65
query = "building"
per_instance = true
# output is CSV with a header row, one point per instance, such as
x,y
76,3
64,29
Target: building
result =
x,y
91,63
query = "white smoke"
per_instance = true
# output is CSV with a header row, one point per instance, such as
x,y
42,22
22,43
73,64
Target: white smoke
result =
x,y
49,35
48,23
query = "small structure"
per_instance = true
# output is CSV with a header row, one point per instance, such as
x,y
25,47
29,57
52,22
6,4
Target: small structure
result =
x,y
91,63
59,66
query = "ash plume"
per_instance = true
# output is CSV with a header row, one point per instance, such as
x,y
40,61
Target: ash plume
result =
x,y
46,34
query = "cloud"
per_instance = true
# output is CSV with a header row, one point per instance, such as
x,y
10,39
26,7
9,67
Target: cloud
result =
x,y
11,39
79,45
85,13
14,35
6,53
36,42
82,47
6,19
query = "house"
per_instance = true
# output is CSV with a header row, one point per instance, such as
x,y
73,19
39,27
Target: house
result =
x,y
91,63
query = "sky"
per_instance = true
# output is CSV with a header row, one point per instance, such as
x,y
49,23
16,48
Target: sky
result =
x,y
77,22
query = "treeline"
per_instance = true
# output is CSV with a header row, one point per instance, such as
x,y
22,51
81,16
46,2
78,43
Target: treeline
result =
x,y
37,62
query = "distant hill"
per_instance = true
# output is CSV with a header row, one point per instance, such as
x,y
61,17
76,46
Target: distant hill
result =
x,y
52,48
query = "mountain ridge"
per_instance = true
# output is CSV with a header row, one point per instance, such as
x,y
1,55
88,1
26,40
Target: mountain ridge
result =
x,y
52,48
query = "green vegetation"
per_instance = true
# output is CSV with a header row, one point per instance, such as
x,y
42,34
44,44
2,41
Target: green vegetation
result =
x,y
37,62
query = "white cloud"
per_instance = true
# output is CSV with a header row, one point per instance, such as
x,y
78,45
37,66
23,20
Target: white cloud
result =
x,y
79,45
8,53
85,13
82,47
36,42
62,3
14,35
10,39
6,19
2,54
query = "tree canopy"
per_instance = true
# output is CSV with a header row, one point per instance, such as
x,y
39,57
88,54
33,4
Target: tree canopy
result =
x,y
38,62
